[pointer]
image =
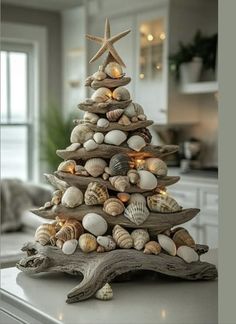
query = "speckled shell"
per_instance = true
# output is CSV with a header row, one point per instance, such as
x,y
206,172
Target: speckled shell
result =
x,y
94,224
69,246
113,206
156,166
114,70
144,133
167,244
122,237
71,229
98,138
90,145
137,197
73,147
115,137
182,237
123,196
67,166
90,117
101,95
147,180
162,203
44,232
72,197
95,167
96,194
121,93
80,134
107,242
103,123
88,243
136,143
133,110
119,164
152,247
187,254
140,238
105,293
114,115
56,197
124,120
133,176
121,183
137,213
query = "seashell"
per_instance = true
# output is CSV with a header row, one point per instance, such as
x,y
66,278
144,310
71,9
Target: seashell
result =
x,y
48,204
144,133
95,167
187,254
90,145
113,206
67,166
71,229
80,134
156,166
123,196
100,249
136,143
182,237
140,238
107,242
133,110
114,115
94,224
115,137
56,197
121,93
59,243
147,180
133,176
96,194
124,120
105,176
73,147
162,203
142,117
134,119
80,170
167,244
152,247
88,243
119,164
121,183
44,232
103,123
98,138
137,197
114,70
101,95
122,237
90,117
105,293
137,212
99,75
69,246
72,197
107,170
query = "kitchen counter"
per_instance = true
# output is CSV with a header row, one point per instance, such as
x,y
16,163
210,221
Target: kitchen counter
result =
x,y
144,301
198,176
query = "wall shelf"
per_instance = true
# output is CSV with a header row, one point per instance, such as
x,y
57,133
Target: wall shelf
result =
x,y
199,87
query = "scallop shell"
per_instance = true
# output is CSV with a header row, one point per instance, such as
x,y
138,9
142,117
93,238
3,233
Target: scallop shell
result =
x,y
56,197
94,224
101,95
162,203
114,115
123,196
88,243
167,244
71,229
44,232
133,110
96,194
80,134
115,137
98,138
103,123
119,164
156,166
133,176
67,166
72,197
140,238
99,75
90,145
144,133
121,93
147,180
187,254
122,237
90,117
113,206
182,237
137,197
105,293
136,143
107,242
124,120
114,70
121,183
137,213
95,167
69,246
152,247
73,147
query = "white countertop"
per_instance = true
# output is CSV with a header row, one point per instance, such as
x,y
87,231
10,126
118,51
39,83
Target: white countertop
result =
x,y
201,178
143,301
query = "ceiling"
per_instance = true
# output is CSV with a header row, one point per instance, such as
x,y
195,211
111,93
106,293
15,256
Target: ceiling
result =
x,y
45,4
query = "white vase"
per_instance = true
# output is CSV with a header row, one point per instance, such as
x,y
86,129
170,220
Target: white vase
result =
x,y
190,72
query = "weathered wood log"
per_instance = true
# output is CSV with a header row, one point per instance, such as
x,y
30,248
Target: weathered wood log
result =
x,y
99,268
112,126
107,83
103,107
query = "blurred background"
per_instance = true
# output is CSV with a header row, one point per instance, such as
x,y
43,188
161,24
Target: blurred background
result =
x,y
171,56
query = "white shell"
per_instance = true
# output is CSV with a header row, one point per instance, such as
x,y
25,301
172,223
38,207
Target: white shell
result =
x,y
187,254
90,145
107,242
156,166
95,167
94,224
91,117
137,197
73,147
105,293
80,134
167,244
72,197
133,110
103,123
147,180
115,137
99,75
69,246
114,70
137,213
98,138
140,238
121,93
67,166
101,95
136,143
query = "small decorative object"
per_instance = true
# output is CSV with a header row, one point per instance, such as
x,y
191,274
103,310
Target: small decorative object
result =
x,y
91,117
156,166
122,237
124,120
114,70
67,166
107,242
162,203
147,180
88,243
69,246
152,247
187,254
94,224
120,183
119,164
136,143
114,115
140,238
133,176
182,237
113,206
137,197
95,167
167,244
90,145
144,133
121,94
80,134
115,137
96,194
99,75
56,197
44,232
133,110
105,293
123,196
71,229
98,138
137,212
103,123
73,147
72,197
101,95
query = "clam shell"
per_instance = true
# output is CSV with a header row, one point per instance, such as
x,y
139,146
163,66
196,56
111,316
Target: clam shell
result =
x,y
88,243
69,246
90,145
91,117
73,147
107,242
115,137
96,194
113,206
72,197
103,123
133,110
114,70
122,237
147,180
124,120
137,197
140,238
95,167
156,166
114,115
152,247
121,183
144,133
162,203
94,224
71,229
67,166
137,213
56,197
167,244
99,75
80,134
98,138
105,293
101,95
123,196
133,176
187,254
136,143
44,232
121,93
119,164
182,237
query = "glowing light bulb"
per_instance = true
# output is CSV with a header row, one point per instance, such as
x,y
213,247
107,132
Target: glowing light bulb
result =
x,y
150,37
162,36
141,76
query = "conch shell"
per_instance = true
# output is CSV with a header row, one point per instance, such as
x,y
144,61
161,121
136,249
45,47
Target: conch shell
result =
x,y
80,134
140,237
105,293
119,164
101,95
121,183
113,206
121,93
96,194
152,247
71,229
44,232
122,237
88,243
137,213
95,167
162,203
156,166
182,237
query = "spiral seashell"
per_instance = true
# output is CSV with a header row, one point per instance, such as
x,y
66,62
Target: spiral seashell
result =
x,y
140,238
136,143
167,244
69,246
44,232
98,138
133,110
114,70
114,115
99,75
156,166
137,197
103,123
72,197
152,247
133,176
144,133
121,183
88,243
162,203
101,95
119,164
182,237
124,120
107,242
122,237
105,293
90,117
71,229
95,167
80,134
137,213
56,197
67,166
90,145
123,196
95,224
113,206
121,93
96,194
115,137
147,180
187,254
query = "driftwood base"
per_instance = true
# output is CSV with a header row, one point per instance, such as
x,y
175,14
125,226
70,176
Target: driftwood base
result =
x,y
99,268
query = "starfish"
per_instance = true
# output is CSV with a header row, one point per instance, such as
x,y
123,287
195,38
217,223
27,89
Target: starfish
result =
x,y
107,43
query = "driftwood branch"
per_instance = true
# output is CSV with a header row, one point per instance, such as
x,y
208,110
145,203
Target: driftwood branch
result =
x,y
103,107
107,83
112,126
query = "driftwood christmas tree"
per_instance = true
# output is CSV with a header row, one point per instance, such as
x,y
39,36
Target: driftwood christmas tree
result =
x,y
111,211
